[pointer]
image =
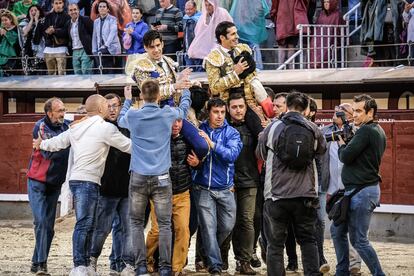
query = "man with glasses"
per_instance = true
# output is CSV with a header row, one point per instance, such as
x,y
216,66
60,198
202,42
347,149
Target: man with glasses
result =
x,y
46,174
329,182
112,210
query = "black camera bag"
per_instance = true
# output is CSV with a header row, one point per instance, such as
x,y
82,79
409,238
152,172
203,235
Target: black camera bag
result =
x,y
338,206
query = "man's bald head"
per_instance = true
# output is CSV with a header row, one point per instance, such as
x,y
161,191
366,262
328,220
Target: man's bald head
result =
x,y
96,105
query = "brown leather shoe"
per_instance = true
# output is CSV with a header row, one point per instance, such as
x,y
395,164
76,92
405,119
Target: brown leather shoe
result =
x,y
246,269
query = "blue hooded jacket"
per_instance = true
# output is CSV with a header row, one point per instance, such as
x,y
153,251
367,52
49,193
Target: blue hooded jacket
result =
x,y
217,170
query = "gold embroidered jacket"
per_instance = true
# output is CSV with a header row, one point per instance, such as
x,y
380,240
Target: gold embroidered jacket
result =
x,y
141,67
221,75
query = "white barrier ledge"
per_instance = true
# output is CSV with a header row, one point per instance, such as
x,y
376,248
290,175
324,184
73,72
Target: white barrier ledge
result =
x,y
15,197
396,209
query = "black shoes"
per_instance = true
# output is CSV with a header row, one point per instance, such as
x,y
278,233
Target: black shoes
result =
x,y
254,261
292,267
244,268
39,269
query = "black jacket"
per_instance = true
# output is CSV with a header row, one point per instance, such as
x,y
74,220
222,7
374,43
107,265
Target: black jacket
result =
x,y
115,179
85,29
180,170
246,172
58,21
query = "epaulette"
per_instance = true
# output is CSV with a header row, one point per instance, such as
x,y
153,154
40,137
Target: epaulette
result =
x,y
242,47
171,62
215,57
140,62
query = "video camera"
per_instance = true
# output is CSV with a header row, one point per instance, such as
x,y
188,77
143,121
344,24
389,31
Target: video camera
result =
x,y
347,132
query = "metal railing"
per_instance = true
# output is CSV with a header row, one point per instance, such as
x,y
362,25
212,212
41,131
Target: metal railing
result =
x,y
300,59
323,46
354,13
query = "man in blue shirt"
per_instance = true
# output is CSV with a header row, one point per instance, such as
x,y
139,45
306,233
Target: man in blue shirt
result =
x,y
213,183
150,129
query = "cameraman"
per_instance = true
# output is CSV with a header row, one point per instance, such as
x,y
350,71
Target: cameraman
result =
x,y
330,181
361,158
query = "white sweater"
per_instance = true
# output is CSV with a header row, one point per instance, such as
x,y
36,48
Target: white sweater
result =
x,y
90,140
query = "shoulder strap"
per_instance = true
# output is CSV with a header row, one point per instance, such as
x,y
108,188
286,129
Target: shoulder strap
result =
x,y
269,143
355,191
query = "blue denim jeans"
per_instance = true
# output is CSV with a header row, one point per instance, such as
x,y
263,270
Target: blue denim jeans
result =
x,y
85,200
43,201
216,218
159,189
113,214
115,258
359,216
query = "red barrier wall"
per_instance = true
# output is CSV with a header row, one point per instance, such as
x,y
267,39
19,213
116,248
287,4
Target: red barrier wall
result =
x,y
397,168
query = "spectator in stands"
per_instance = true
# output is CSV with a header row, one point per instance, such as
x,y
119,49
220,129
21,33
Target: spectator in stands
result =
x,y
56,38
251,25
9,44
205,39
149,168
169,22
182,159
189,23
21,8
46,5
134,33
287,14
118,8
34,41
105,40
113,202
89,139
85,7
80,31
289,189
408,16
373,28
213,192
45,176
321,50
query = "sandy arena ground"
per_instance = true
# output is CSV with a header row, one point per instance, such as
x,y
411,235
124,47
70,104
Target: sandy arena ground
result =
x,y
17,241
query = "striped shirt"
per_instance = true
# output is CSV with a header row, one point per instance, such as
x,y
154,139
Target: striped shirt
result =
x,y
173,18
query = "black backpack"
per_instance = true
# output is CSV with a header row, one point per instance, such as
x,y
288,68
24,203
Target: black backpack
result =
x,y
296,144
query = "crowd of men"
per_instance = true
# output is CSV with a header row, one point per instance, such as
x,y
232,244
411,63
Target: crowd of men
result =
x,y
226,166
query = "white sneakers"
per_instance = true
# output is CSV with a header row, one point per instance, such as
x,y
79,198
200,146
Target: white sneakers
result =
x,y
128,270
82,271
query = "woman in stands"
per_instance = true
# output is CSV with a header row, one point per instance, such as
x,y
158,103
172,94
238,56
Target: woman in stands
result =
x,y
325,37
9,44
34,42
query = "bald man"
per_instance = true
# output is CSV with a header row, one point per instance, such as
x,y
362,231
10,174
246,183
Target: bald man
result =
x,y
90,139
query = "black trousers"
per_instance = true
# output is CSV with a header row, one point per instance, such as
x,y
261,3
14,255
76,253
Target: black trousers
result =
x,y
277,217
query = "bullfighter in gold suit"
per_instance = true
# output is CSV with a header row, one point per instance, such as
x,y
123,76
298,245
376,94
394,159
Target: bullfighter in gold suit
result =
x,y
230,66
154,65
